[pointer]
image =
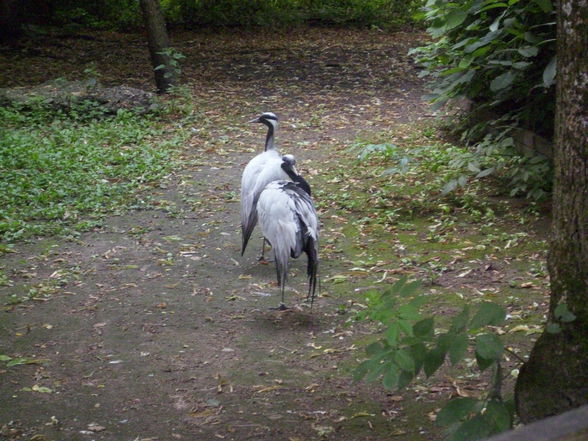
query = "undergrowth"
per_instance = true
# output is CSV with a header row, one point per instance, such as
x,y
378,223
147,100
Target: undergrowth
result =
x,y
471,258
61,171
410,175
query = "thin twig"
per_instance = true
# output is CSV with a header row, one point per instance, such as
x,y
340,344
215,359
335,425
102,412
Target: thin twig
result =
x,y
515,355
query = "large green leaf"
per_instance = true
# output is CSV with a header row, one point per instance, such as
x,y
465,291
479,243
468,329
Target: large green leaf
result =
x,y
489,346
374,348
458,348
404,360
418,351
408,312
460,321
392,334
498,415
391,375
360,371
502,81
444,341
424,328
455,18
488,313
528,51
562,313
456,410
472,430
433,360
375,370
484,363
404,379
545,5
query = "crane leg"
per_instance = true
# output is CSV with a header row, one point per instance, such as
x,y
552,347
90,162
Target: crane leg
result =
x,y
262,257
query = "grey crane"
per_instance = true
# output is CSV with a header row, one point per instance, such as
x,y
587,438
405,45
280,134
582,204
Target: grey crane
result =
x,y
260,171
289,222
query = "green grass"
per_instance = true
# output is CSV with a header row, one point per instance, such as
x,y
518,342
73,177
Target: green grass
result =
x,y
61,172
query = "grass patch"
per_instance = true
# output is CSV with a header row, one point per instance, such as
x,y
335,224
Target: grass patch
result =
x,y
57,167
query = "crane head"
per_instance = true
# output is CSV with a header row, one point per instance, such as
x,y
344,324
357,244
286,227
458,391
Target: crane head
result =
x,y
266,118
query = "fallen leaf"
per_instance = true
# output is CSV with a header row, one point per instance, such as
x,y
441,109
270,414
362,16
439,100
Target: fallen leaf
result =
x,y
42,389
93,427
268,389
361,415
323,430
209,411
338,278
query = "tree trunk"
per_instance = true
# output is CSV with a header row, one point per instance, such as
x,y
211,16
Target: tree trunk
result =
x,y
555,378
158,43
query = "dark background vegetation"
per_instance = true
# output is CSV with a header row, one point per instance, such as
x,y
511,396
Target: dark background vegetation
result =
x,y
125,15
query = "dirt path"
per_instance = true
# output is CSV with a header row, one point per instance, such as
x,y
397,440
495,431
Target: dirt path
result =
x,y
156,328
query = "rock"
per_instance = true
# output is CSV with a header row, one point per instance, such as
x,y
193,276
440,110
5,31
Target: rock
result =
x,y
62,93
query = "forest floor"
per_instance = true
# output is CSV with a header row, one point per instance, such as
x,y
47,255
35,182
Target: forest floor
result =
x,y
153,327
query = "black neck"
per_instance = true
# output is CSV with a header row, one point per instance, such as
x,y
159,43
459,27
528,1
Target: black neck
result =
x,y
269,139
298,179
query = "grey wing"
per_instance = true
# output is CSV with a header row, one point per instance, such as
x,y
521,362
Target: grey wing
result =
x,y
278,223
304,209
307,235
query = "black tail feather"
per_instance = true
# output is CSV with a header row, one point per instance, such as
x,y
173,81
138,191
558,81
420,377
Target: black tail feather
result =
x,y
246,232
311,251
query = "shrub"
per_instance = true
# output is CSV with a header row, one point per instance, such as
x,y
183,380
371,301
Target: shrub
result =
x,y
501,56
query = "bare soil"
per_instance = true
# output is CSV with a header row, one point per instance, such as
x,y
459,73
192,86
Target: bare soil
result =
x,y
156,328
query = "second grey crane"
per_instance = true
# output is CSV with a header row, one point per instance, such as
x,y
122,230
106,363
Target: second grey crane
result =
x,y
289,222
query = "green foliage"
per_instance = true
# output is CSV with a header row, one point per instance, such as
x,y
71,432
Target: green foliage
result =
x,y
19,361
126,15
174,68
495,155
57,166
562,315
382,13
501,56
426,166
409,343
107,14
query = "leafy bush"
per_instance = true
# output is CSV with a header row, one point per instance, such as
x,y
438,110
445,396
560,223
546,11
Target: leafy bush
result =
x,y
501,56
382,13
409,344
106,14
524,175
56,166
